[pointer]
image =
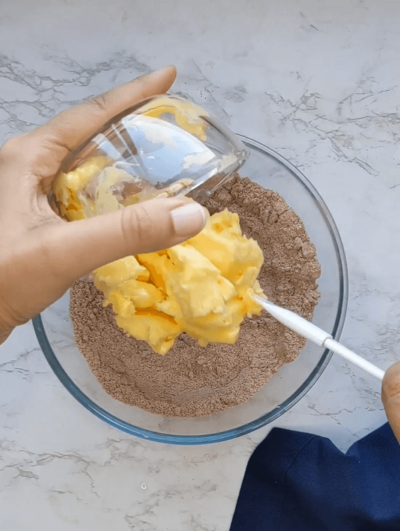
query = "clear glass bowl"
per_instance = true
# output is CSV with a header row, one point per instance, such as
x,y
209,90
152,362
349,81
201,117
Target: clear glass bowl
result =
x,y
162,147
55,332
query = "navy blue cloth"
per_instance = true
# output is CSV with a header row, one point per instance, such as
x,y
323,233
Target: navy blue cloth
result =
x,y
301,482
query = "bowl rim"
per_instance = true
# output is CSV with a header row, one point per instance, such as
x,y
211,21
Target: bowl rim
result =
x,y
245,429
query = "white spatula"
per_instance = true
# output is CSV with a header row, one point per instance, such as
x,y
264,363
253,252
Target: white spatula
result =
x,y
309,331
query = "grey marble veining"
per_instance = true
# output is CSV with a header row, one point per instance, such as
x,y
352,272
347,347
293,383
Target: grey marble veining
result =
x,y
316,81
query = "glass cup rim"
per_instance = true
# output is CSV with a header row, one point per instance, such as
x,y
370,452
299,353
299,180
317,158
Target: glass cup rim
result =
x,y
233,433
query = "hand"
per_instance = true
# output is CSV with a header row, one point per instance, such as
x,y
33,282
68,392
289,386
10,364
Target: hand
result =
x,y
391,397
40,254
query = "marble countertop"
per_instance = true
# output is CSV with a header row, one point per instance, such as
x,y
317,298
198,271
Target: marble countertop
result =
x,y
317,82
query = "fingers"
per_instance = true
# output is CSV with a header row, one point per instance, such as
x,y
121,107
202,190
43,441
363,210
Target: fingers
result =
x,y
73,126
391,397
82,246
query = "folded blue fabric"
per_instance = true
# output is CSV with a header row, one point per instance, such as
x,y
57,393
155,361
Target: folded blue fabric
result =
x,y
301,482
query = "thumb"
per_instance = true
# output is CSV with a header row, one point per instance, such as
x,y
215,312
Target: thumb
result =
x,y
83,246
391,397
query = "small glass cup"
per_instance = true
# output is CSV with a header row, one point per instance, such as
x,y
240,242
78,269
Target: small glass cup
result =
x,y
162,147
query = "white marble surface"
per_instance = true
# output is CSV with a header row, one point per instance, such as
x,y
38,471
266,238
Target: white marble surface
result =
x,y
316,81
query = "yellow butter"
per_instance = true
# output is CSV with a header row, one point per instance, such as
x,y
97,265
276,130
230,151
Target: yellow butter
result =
x,y
187,114
203,287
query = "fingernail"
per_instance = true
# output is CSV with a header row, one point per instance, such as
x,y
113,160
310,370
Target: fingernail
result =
x,y
160,72
189,219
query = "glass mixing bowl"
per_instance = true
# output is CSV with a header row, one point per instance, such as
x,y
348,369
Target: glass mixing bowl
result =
x,y
55,332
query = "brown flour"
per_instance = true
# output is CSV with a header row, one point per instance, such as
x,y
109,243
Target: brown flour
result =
x,y
190,380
